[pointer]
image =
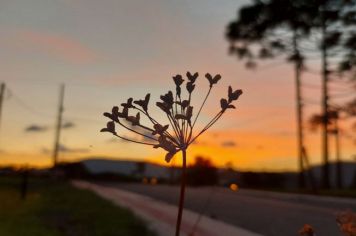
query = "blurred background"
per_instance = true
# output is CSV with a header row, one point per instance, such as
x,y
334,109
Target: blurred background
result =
x,y
63,63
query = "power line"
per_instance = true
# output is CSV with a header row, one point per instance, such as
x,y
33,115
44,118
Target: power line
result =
x,y
37,112
310,101
342,95
342,91
311,86
24,105
84,119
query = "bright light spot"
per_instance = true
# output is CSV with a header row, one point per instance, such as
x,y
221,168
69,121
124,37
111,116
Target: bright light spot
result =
x,y
154,180
234,187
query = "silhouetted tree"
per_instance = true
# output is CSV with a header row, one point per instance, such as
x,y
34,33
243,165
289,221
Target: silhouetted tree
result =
x,y
262,180
273,28
202,172
350,110
333,128
298,28
332,19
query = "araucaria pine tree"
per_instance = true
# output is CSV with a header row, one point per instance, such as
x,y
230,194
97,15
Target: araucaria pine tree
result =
x,y
179,133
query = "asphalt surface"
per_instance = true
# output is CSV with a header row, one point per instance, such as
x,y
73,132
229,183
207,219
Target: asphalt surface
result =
x,y
262,212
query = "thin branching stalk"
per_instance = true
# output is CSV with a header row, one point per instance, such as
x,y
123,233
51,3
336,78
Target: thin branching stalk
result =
x,y
207,126
182,192
134,141
179,113
173,124
136,132
201,107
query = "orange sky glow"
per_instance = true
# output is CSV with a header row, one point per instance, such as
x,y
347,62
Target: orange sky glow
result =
x,y
107,51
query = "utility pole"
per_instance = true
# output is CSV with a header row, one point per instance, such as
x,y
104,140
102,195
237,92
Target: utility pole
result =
x,y
58,126
2,92
309,171
338,155
299,107
325,105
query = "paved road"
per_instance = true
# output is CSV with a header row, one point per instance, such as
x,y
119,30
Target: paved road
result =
x,y
160,216
261,212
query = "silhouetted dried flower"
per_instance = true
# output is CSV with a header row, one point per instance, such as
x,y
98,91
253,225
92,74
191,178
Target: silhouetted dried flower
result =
x,y
178,80
193,77
347,223
213,80
179,113
307,230
143,103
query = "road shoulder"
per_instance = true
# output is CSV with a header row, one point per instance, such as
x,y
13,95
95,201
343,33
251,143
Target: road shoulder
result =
x,y
161,216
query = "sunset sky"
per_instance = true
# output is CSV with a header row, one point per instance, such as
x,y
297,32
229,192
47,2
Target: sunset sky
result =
x,y
106,51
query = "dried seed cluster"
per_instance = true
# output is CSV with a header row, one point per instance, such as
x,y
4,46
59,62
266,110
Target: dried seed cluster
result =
x,y
178,134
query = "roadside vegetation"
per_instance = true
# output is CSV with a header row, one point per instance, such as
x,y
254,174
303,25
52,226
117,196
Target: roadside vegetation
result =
x,y
57,208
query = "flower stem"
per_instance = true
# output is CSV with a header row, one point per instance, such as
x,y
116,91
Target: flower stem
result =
x,y
134,131
216,118
134,141
182,193
202,105
153,121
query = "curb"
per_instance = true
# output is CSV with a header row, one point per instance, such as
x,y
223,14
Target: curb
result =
x,y
160,216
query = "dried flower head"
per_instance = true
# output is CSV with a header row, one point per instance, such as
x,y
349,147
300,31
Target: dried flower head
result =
x,y
178,111
307,230
178,134
347,223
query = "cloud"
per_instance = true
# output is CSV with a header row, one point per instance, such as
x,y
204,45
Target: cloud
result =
x,y
112,140
59,46
228,144
284,133
66,149
35,128
135,137
68,125
201,143
117,140
138,137
146,138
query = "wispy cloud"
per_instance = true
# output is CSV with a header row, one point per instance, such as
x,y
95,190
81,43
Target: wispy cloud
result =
x,y
228,144
56,45
35,128
66,149
201,143
68,125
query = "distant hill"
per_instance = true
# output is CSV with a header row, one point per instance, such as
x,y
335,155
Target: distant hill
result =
x,y
125,167
348,173
139,169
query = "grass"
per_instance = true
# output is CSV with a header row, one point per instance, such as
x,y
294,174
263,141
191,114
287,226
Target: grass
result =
x,y
348,193
56,208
